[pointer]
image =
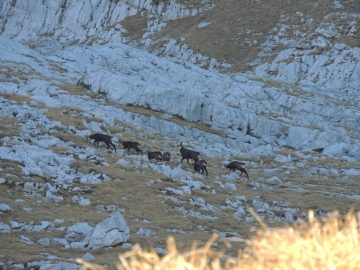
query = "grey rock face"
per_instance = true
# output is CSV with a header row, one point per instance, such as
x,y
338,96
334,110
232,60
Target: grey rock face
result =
x,y
111,232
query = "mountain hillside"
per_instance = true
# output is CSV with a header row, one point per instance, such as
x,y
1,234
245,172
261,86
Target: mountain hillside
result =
x,y
272,84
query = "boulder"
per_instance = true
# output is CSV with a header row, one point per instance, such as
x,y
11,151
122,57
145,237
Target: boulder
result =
x,y
45,225
274,180
260,205
44,241
230,186
5,208
4,228
111,232
88,257
240,212
78,232
338,149
289,217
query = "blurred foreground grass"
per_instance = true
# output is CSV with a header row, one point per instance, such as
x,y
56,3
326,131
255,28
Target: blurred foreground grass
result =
x,y
331,242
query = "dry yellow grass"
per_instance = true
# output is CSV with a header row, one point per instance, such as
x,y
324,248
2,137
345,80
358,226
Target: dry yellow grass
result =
x,y
331,243
327,243
18,98
10,127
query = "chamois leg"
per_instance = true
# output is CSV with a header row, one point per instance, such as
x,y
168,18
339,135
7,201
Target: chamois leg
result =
x,y
114,146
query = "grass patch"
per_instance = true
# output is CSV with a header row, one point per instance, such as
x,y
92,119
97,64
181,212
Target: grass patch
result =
x,y
9,73
17,98
70,116
11,127
136,25
74,89
11,169
238,28
314,127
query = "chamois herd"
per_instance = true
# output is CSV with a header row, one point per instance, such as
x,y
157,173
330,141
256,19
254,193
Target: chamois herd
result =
x,y
199,165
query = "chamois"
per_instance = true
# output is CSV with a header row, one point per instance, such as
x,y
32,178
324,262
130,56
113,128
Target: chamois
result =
x,y
128,144
166,156
237,165
188,154
97,137
200,166
155,155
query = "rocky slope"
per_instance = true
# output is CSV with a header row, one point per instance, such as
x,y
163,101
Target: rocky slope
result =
x,y
72,68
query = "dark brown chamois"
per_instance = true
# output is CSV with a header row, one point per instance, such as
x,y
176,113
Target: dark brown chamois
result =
x,y
237,165
155,155
166,156
188,154
135,145
97,137
200,166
